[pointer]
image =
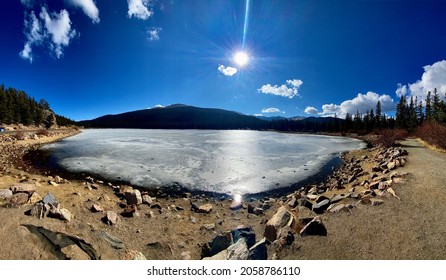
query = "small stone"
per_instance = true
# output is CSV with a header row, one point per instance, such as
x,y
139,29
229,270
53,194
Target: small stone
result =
x,y
96,208
17,199
4,193
335,208
58,180
146,199
34,198
193,219
130,211
292,202
391,165
209,227
110,218
205,208
236,205
133,197
52,183
23,188
376,201
315,227
285,237
185,255
61,214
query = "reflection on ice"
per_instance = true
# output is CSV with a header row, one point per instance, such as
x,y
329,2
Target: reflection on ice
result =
x,y
218,161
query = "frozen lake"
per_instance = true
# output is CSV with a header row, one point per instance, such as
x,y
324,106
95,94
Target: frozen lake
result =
x,y
223,161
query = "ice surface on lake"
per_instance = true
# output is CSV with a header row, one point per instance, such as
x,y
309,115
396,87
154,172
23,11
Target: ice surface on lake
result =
x,y
226,161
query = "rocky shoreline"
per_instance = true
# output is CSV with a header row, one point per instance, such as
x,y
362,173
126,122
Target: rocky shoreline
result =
x,y
93,219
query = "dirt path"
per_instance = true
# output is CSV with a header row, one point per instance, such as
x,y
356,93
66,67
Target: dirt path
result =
x,y
411,228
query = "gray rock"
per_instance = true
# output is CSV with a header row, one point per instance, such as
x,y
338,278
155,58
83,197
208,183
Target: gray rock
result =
x,y
259,250
209,227
320,207
4,193
61,214
23,188
244,232
237,251
337,198
292,202
315,227
219,243
280,219
338,207
305,203
112,240
50,199
39,210
133,197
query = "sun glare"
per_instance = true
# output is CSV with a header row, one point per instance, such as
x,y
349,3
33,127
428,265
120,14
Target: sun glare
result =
x,y
241,58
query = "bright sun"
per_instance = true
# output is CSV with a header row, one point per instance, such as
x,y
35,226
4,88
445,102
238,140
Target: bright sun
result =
x,y
241,58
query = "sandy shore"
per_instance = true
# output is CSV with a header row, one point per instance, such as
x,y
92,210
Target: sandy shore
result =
x,y
328,220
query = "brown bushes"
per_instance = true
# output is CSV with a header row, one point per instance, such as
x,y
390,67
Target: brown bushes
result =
x,y
433,133
43,132
388,137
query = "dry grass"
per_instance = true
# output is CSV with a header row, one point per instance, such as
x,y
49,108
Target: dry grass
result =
x,y
388,137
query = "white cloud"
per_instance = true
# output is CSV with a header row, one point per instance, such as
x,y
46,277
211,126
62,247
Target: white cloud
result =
x,y
26,53
53,29
361,103
270,110
154,33
258,115
401,90
227,71
58,27
290,89
158,106
311,110
434,76
89,7
140,9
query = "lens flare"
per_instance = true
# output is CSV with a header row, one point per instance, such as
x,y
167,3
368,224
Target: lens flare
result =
x,y
241,58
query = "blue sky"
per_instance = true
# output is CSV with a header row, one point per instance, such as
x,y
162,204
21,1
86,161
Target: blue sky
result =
x,y
88,58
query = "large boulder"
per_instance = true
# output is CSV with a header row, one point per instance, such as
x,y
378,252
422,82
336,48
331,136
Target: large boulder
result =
x,y
259,250
315,227
218,244
280,219
244,232
23,188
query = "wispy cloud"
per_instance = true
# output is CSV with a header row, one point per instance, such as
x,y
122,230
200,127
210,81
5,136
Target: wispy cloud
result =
x,y
271,110
52,29
227,71
311,110
89,7
141,9
434,76
154,33
290,89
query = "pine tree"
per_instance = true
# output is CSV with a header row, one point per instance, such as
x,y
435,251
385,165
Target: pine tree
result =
x,y
401,113
428,106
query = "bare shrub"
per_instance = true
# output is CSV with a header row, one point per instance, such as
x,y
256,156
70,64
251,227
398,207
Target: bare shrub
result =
x,y
20,135
43,132
388,137
433,133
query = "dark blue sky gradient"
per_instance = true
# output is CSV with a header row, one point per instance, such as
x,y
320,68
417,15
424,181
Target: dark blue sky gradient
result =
x,y
337,48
